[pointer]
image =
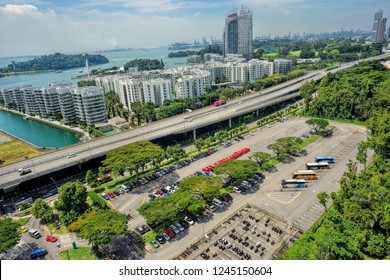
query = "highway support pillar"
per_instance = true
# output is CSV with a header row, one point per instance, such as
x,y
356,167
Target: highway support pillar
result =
x,y
230,123
194,133
257,112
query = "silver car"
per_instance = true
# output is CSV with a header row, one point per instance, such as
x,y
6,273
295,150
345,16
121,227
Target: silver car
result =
x,y
175,229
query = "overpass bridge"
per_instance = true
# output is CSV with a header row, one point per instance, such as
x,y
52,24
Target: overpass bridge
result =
x,y
57,160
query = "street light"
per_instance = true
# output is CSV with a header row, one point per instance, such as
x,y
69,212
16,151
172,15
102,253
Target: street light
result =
x,y
54,182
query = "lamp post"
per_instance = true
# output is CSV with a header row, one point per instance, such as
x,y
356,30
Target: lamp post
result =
x,y
55,183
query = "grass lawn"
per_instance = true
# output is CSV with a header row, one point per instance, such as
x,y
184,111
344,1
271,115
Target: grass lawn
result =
x,y
82,253
270,55
295,53
311,139
15,151
62,230
147,237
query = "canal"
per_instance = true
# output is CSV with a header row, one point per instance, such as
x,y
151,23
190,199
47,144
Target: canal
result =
x,y
36,133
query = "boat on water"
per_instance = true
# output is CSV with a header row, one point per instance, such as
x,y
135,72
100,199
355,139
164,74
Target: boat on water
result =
x,y
58,71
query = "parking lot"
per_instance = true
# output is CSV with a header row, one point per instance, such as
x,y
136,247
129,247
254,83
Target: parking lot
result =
x,y
247,235
297,209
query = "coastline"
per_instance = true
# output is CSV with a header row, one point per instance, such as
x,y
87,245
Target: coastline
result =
x,y
24,141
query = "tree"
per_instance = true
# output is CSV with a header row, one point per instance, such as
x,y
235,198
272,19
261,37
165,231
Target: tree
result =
x,y
306,91
174,152
362,153
323,198
207,187
237,170
199,143
101,171
99,226
283,147
317,124
9,235
134,156
89,177
261,158
136,108
40,209
72,201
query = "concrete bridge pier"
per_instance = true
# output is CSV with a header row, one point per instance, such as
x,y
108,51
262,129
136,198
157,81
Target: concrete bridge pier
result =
x,y
194,133
230,123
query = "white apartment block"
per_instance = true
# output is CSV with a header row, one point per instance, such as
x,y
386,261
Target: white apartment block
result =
x,y
157,91
282,66
89,104
240,71
157,86
86,103
14,97
193,84
258,69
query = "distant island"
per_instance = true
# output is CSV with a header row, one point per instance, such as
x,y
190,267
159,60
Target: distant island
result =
x,y
215,48
182,53
52,62
145,64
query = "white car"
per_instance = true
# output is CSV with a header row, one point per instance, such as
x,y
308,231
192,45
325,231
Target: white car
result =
x,y
71,155
188,220
237,190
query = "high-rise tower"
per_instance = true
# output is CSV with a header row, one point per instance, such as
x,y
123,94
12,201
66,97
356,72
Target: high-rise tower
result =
x,y
230,34
238,33
245,32
378,28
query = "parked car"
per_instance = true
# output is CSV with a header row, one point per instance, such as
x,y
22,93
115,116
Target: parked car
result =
x,y
179,226
184,224
111,194
175,229
51,238
117,193
236,189
160,239
189,220
170,233
214,208
23,229
105,196
154,243
140,229
146,228
166,236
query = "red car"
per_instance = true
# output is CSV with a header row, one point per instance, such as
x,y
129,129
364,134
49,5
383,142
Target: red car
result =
x,y
111,194
170,232
51,238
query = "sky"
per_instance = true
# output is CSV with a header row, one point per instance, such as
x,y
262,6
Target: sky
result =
x,y
44,27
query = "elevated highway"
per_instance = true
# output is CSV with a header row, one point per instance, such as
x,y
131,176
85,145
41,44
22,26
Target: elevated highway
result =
x,y
57,160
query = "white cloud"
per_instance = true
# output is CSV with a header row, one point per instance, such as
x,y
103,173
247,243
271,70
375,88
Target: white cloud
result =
x,y
197,14
286,12
19,10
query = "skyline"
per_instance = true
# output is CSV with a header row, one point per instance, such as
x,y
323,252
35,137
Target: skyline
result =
x,y
40,27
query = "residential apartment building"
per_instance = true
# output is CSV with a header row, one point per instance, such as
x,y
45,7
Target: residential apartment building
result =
x,y
239,71
86,103
282,66
89,104
192,84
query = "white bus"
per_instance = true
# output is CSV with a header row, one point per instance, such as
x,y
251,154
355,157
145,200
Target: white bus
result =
x,y
317,165
293,184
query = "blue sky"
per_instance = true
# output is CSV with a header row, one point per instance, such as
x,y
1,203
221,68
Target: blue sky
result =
x,y
40,27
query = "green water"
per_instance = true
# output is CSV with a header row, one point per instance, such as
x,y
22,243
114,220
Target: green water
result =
x,y
36,133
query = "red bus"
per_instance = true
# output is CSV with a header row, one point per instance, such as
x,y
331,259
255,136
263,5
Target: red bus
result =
x,y
219,102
